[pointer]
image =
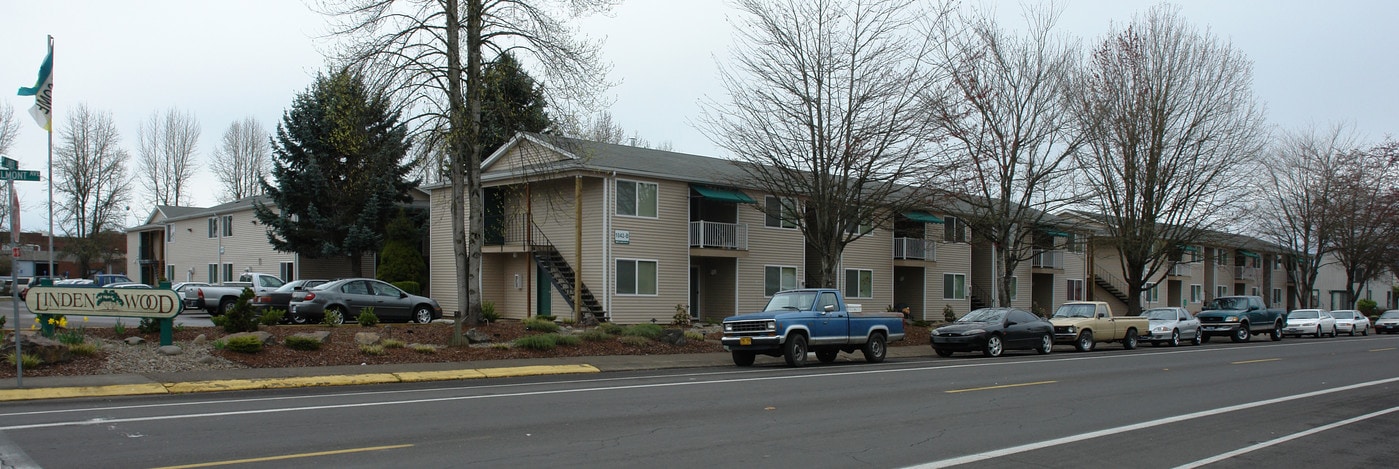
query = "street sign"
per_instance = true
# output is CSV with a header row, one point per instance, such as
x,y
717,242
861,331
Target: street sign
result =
x,y
16,251
8,163
19,175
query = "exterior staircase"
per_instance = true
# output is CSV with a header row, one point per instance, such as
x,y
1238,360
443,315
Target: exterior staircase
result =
x,y
1113,288
561,275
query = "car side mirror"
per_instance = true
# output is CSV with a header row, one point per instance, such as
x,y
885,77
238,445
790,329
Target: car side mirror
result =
x,y
402,295
1011,323
829,308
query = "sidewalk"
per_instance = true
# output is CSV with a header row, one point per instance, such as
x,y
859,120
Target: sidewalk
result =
x,y
274,378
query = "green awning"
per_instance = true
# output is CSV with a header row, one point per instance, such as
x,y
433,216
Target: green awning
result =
x,y
924,217
1247,253
1055,233
725,195
1190,248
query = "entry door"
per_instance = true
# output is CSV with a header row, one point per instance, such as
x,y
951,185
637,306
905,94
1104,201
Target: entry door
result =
x,y
542,285
694,292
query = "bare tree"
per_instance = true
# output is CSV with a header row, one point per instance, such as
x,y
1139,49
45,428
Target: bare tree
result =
x,y
166,147
823,107
603,128
241,159
9,128
1001,111
90,177
1295,214
428,53
1170,125
1366,209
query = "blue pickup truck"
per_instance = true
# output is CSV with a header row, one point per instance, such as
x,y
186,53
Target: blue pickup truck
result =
x,y
1240,317
796,322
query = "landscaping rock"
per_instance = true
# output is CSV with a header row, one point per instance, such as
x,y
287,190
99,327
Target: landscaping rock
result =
x,y
48,350
170,350
672,337
477,337
207,359
366,338
264,336
200,339
135,341
319,336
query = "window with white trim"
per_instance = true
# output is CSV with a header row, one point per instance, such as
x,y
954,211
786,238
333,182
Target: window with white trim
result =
x,y
1153,294
213,273
954,286
213,227
169,233
636,277
1074,290
1221,290
1014,288
954,230
781,212
859,283
1197,293
777,278
228,272
636,199
1277,297
170,273
228,225
288,270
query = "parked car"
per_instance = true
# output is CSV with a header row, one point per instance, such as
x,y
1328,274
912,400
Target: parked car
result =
x,y
1240,318
281,298
24,289
186,292
1086,323
1388,322
1309,321
127,285
218,299
796,322
1169,325
103,280
992,331
12,286
350,296
1351,321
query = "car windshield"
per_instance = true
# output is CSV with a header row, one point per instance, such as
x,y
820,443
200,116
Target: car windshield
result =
x,y
1343,315
1161,314
791,301
1227,303
1304,314
1390,315
1075,311
984,315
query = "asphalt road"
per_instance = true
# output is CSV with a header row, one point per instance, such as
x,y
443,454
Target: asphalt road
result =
x,y
1296,403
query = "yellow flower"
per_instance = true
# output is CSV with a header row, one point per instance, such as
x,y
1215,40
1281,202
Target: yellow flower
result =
x,y
84,318
52,321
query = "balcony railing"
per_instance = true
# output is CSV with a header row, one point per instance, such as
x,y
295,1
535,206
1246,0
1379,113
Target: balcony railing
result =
x,y
708,234
1245,273
1181,270
915,248
1048,259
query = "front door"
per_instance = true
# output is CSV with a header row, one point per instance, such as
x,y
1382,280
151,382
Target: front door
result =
x,y
694,292
542,285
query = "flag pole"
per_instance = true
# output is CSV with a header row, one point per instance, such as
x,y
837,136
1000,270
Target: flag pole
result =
x,y
52,267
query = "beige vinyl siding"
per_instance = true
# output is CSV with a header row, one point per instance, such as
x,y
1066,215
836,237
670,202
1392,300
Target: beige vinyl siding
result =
x,y
552,208
665,240
953,258
1075,268
873,252
767,246
526,154
246,249
442,267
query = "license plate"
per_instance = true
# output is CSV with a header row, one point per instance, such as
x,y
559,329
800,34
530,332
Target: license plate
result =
x,y
745,341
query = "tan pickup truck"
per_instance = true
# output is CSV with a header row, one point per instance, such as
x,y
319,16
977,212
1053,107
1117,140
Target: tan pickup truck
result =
x,y
1085,323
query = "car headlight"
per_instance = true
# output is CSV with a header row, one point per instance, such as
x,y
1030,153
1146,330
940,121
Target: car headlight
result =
x,y
728,327
974,332
772,325
1071,330
1231,319
1160,329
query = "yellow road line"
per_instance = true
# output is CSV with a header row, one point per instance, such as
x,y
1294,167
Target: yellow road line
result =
x,y
1003,386
1255,361
286,456
1383,349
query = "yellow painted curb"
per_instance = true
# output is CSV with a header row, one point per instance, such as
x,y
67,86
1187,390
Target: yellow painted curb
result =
x,y
420,376
279,383
81,391
538,370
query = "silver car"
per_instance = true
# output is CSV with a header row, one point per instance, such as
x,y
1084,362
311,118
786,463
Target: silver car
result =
x,y
1388,322
1351,321
1170,325
1313,322
350,296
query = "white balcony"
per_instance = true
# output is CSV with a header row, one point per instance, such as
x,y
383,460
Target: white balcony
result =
x,y
1245,273
1181,270
1048,259
708,234
915,248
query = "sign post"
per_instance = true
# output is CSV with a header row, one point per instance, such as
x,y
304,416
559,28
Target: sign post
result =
x,y
9,171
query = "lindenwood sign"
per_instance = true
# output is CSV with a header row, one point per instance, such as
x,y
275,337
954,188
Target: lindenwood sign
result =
x,y
96,301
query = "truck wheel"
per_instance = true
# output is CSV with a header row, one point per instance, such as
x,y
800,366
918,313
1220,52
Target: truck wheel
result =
x,y
225,306
297,318
944,353
1130,342
827,355
1046,344
1175,338
1241,333
794,351
742,358
1199,338
874,349
993,346
1085,341
1276,333
1204,338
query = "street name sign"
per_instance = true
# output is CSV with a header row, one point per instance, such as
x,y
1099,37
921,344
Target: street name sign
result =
x,y
19,175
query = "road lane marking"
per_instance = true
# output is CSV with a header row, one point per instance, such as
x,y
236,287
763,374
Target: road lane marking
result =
x,y
1003,386
1245,362
1384,349
985,455
286,457
1284,439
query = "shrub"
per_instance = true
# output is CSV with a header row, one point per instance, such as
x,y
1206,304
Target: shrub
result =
x,y
633,340
272,317
332,318
241,318
29,360
152,325
71,336
2,321
649,331
611,328
84,349
367,317
488,313
375,349
302,343
947,313
409,286
920,323
571,340
392,343
120,328
546,317
681,317
501,346
1366,306
594,335
541,325
244,344
538,342
423,348
694,336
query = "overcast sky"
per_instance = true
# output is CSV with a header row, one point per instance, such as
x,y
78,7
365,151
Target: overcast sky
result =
x,y
1315,63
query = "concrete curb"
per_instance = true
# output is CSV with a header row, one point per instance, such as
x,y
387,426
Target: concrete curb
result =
x,y
289,382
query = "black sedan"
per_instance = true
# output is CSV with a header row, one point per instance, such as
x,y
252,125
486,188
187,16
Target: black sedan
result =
x,y
281,298
994,330
350,296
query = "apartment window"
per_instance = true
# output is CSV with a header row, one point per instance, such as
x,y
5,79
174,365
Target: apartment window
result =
x,y
1014,287
169,273
859,227
1223,258
1338,300
781,212
954,230
1221,290
1254,292
1316,298
213,227
169,233
636,277
1075,290
954,287
859,283
778,278
228,225
1277,262
636,199
1073,244
1277,297
1153,294
213,273
228,272
1197,293
287,271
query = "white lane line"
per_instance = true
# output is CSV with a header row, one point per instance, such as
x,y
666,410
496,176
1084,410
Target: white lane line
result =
x,y
1285,439
971,458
